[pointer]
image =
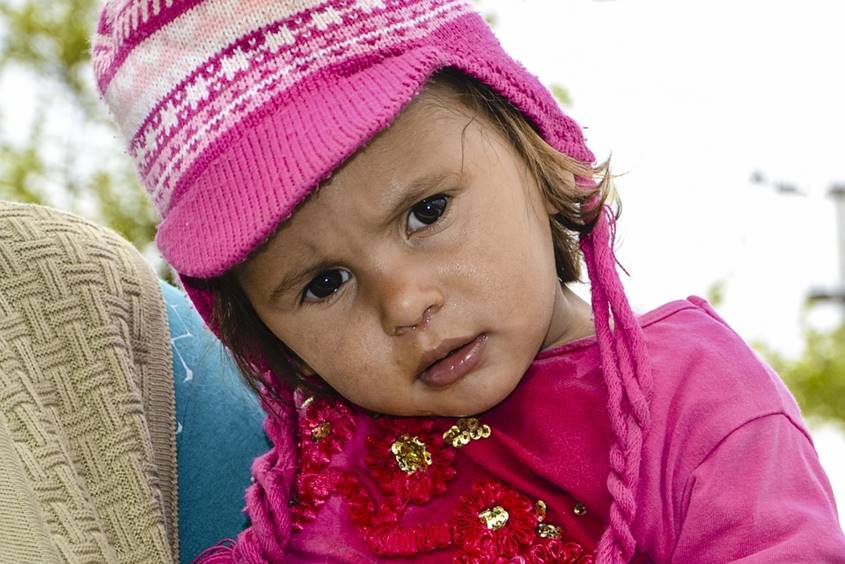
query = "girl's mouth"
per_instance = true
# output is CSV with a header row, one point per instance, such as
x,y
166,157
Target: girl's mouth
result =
x,y
450,367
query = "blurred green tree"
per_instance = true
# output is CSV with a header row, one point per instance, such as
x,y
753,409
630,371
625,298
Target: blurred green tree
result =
x,y
48,41
817,377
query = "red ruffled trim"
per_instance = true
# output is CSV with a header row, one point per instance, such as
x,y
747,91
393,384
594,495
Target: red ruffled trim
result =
x,y
558,551
473,536
400,486
379,525
325,426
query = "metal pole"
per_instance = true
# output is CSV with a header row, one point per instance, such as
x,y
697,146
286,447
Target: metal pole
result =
x,y
837,192
837,293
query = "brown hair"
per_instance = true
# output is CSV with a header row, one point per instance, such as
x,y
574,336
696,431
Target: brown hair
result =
x,y
246,336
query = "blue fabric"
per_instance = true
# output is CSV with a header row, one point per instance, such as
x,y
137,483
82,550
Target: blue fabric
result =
x,y
218,430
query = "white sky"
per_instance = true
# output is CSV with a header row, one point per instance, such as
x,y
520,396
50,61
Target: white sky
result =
x,y
691,97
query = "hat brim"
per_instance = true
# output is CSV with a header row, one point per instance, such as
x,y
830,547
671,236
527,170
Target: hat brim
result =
x,y
282,153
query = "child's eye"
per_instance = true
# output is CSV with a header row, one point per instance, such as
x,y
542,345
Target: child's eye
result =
x,y
325,284
426,212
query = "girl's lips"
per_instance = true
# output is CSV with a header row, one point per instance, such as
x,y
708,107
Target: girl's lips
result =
x,y
455,365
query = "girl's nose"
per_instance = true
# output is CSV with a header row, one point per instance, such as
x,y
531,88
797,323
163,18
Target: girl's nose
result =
x,y
407,303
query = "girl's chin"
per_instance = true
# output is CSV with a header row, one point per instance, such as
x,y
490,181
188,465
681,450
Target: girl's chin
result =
x,y
470,403
442,407
477,392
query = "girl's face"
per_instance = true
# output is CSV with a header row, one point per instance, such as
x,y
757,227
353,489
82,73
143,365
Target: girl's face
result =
x,y
420,279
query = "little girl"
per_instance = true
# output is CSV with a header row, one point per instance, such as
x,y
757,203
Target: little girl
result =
x,y
380,212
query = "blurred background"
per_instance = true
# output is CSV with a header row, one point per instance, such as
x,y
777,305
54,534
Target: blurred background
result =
x,y
724,119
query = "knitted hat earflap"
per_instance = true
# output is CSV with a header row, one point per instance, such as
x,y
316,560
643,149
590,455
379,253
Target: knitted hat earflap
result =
x,y
628,377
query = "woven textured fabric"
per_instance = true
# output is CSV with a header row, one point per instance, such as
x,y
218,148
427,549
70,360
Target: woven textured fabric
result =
x,y
87,446
235,111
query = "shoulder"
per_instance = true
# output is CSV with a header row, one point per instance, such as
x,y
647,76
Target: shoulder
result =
x,y
725,437
698,358
707,380
708,384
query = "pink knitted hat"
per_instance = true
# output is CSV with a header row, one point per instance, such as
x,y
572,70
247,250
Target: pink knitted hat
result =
x,y
235,110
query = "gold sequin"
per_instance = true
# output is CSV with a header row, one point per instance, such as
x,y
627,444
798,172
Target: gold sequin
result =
x,y
540,510
411,454
465,430
320,431
579,509
548,531
494,517
308,401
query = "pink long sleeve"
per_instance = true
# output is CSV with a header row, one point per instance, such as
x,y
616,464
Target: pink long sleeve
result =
x,y
760,496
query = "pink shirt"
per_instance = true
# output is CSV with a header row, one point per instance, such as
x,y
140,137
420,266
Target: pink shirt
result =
x,y
728,471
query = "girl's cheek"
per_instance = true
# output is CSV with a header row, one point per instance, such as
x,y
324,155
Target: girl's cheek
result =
x,y
340,344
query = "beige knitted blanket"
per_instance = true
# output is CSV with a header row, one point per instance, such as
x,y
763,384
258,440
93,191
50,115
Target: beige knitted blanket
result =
x,y
87,443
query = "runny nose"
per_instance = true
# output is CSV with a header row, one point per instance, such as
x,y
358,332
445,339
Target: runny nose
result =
x,y
422,324
408,305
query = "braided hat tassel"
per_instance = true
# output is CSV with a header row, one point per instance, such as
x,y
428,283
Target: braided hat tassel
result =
x,y
628,377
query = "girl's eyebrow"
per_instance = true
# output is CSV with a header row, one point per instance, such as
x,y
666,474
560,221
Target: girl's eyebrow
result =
x,y
297,275
403,198
290,280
